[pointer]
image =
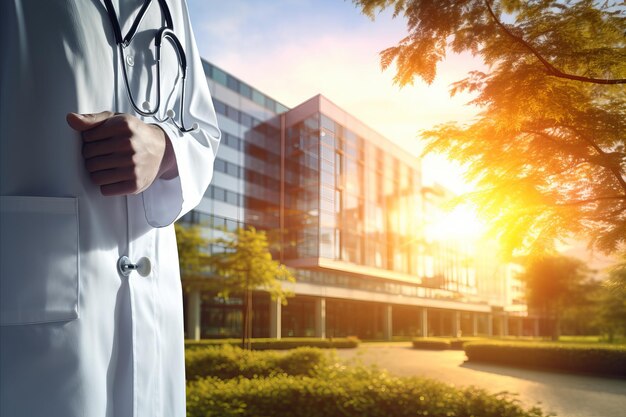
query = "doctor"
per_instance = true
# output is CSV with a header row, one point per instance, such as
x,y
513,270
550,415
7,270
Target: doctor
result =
x,y
103,146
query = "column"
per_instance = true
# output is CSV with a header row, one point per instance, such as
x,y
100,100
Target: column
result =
x,y
474,324
275,316
505,325
456,323
320,317
387,321
424,322
489,325
193,315
536,327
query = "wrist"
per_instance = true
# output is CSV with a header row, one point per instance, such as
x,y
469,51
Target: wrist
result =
x,y
168,168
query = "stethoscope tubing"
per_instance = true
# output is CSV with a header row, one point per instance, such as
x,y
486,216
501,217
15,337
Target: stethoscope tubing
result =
x,y
166,32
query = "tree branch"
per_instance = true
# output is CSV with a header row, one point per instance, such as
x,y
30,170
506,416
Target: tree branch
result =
x,y
592,200
552,70
616,171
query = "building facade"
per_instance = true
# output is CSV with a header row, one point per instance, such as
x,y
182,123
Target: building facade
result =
x,y
350,215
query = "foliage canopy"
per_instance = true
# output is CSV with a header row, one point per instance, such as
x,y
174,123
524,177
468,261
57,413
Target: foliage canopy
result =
x,y
554,284
547,151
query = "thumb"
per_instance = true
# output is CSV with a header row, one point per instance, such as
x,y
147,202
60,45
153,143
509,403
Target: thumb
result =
x,y
82,122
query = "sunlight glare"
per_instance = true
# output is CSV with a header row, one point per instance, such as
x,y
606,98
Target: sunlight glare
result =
x,y
460,223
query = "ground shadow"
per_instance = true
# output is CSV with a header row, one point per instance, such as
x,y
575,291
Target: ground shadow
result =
x,y
594,383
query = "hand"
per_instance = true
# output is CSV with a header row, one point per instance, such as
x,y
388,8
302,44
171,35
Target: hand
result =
x,y
123,154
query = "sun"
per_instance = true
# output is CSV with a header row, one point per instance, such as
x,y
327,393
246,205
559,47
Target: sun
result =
x,y
460,223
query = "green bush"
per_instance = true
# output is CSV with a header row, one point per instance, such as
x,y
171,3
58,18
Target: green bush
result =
x,y
344,391
605,360
280,344
226,362
431,344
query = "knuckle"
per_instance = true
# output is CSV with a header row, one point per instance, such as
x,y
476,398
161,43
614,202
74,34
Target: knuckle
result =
x,y
95,178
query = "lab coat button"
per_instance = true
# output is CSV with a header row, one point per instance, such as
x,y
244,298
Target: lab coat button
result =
x,y
144,267
130,61
125,266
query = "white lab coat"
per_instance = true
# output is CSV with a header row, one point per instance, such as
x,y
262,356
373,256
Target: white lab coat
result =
x,y
76,337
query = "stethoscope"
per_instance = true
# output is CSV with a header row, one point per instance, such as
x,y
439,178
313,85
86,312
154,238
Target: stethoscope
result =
x,y
167,33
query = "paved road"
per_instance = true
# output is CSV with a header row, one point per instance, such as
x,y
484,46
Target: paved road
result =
x,y
563,394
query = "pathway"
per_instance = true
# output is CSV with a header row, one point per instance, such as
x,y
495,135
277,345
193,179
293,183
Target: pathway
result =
x,y
564,394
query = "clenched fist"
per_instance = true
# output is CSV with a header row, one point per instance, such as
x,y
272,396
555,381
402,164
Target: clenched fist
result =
x,y
123,155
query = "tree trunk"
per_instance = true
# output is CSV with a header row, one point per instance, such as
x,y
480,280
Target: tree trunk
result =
x,y
556,327
249,318
244,321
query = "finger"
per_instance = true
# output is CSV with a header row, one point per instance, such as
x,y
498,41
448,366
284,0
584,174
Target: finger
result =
x,y
119,188
112,161
82,122
119,145
112,176
115,126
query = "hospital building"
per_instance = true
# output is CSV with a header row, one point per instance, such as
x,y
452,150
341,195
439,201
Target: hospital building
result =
x,y
354,221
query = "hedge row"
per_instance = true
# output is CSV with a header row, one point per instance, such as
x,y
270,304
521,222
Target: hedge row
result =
x,y
226,362
280,344
605,360
341,391
437,343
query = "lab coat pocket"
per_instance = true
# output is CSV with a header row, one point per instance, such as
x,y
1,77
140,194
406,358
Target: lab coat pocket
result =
x,y
39,269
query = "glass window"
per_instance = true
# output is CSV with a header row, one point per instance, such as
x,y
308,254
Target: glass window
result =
x,y
270,104
231,225
328,193
327,153
327,243
245,90
258,98
232,169
327,166
327,123
232,83
219,194
327,205
220,107
232,198
328,219
328,138
219,75
245,120
327,179
220,165
232,113
312,123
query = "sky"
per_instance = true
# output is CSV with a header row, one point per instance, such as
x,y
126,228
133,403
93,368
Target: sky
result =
x,y
293,50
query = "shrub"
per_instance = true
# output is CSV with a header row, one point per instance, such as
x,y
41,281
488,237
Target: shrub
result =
x,y
302,361
606,360
280,344
431,344
226,362
342,391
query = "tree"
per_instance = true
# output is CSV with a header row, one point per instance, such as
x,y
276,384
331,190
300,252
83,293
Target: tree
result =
x,y
547,150
554,284
611,315
193,261
246,264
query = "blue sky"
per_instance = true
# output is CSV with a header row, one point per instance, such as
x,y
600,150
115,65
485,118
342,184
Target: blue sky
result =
x,y
295,49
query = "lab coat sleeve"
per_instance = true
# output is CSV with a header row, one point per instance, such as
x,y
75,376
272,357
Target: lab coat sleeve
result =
x,y
165,201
